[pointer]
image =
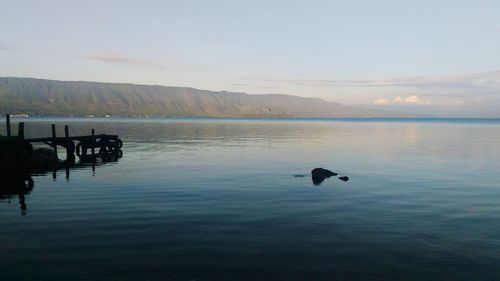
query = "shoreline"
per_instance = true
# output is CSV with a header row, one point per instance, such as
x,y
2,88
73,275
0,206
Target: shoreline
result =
x,y
468,120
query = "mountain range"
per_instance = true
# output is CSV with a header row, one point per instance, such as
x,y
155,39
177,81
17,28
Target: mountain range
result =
x,y
77,98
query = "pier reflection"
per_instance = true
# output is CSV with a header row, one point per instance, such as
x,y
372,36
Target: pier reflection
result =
x,y
16,186
19,183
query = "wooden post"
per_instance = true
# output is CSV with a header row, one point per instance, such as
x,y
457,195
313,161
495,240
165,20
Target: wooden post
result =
x,y
20,131
93,152
69,153
93,143
7,118
54,141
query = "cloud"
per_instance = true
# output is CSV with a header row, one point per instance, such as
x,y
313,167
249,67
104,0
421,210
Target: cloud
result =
x,y
117,58
382,102
7,48
410,100
458,102
486,81
158,64
110,57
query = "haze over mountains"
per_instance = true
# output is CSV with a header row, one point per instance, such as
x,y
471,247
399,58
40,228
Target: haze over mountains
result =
x,y
76,98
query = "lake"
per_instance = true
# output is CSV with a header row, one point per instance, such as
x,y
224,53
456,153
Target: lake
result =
x,y
219,199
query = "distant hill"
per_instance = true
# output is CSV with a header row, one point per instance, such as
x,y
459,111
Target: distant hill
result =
x,y
63,98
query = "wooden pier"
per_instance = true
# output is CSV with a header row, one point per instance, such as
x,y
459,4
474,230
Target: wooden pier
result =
x,y
87,148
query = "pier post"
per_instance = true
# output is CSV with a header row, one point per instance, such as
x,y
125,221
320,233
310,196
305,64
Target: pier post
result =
x,y
7,118
70,147
93,152
93,143
20,131
54,140
67,173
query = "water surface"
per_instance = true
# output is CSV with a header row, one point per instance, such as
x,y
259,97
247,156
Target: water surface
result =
x,y
208,199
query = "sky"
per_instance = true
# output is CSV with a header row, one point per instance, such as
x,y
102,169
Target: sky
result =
x,y
437,57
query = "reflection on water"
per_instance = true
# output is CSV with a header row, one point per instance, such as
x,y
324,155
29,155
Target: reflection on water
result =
x,y
20,183
217,200
16,185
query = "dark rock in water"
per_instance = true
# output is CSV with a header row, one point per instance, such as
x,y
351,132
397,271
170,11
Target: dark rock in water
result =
x,y
318,180
344,178
300,176
320,174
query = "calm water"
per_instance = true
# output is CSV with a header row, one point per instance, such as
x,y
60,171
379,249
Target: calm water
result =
x,y
196,199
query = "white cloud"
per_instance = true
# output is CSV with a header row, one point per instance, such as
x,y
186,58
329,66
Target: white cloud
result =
x,y
381,102
410,100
